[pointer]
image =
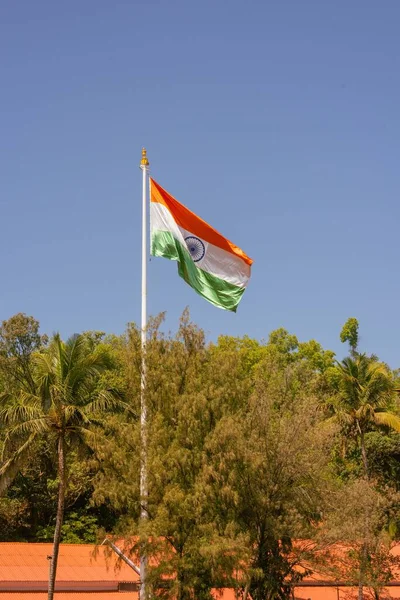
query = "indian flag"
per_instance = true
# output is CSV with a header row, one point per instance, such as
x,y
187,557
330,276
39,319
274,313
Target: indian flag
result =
x,y
213,266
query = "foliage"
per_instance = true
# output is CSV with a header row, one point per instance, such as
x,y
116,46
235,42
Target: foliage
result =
x,y
252,446
364,399
349,334
63,411
361,518
266,478
19,339
78,528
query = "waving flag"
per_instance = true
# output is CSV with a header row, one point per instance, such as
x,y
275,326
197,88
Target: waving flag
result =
x,y
213,266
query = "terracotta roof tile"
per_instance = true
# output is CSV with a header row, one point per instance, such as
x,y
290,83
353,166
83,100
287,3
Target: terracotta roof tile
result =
x,y
343,593
80,565
70,595
76,562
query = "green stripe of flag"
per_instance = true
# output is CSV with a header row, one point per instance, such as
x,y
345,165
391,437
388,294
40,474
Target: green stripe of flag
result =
x,y
219,292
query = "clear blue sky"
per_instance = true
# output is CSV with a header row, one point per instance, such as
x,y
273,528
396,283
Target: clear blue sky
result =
x,y
277,122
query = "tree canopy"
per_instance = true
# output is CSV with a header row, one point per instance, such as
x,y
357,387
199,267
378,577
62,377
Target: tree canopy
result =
x,y
255,450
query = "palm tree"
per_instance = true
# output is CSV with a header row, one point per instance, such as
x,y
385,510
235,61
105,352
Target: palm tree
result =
x,y
67,405
365,394
366,390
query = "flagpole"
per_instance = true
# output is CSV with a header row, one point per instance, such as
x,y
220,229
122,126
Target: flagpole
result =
x,y
144,165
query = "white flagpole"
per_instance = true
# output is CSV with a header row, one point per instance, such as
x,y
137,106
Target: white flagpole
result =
x,y
144,165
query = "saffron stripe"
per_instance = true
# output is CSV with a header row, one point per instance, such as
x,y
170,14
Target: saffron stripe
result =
x,y
186,219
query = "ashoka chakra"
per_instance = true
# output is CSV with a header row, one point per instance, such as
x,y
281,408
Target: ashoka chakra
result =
x,y
195,247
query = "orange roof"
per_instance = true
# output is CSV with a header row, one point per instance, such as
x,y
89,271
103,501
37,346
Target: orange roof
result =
x,y
321,584
73,595
95,574
99,567
340,593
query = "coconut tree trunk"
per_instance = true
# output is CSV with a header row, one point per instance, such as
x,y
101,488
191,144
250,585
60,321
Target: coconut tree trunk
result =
x,y
60,515
363,450
246,589
364,456
363,564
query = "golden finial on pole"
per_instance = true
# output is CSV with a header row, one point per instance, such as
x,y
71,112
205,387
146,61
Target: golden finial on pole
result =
x,y
144,162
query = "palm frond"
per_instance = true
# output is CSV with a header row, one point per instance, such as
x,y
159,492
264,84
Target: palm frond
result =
x,y
11,467
107,401
85,373
44,375
70,392
36,425
364,382
388,419
5,398
365,412
74,415
57,354
20,412
343,418
90,437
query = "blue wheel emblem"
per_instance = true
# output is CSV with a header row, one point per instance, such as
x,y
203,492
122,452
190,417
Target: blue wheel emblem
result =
x,y
196,247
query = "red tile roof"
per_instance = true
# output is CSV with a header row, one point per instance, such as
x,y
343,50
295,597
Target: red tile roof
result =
x,y
340,593
73,596
26,565
89,573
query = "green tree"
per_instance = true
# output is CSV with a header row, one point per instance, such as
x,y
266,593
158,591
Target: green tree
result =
x,y
67,403
357,536
364,403
19,339
179,422
365,395
189,387
383,451
349,334
208,415
264,477
77,528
